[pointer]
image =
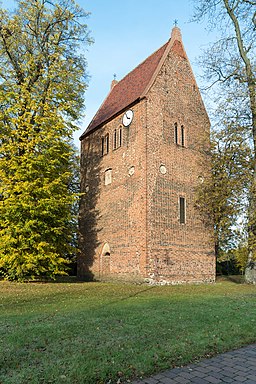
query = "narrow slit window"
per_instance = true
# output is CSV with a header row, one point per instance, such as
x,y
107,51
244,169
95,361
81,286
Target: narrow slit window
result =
x,y
176,133
182,210
107,143
115,139
182,136
120,137
102,146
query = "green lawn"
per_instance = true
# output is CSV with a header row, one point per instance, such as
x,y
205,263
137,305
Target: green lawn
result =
x,y
101,333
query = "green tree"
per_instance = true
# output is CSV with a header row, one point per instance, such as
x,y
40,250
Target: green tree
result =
x,y
222,197
42,82
229,64
241,256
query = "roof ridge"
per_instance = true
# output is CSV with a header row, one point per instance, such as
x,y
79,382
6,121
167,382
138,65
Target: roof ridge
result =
x,y
133,86
142,62
123,78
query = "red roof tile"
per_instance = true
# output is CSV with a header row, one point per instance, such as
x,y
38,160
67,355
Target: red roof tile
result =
x,y
132,87
127,91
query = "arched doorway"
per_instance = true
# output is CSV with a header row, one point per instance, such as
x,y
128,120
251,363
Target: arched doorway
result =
x,y
105,260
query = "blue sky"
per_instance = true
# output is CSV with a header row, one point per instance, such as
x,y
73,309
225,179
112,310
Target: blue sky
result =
x,y
126,32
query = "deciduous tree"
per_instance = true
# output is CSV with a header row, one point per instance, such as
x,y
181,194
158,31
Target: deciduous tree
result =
x,y
42,83
229,63
223,196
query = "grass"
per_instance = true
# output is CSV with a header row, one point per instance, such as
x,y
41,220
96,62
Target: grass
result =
x,y
95,333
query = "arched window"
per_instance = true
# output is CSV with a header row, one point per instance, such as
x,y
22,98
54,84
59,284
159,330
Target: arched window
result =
x,y
108,176
182,136
107,143
120,137
176,133
102,145
182,210
115,139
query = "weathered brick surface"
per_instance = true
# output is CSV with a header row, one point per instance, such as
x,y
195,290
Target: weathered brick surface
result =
x,y
130,228
118,210
176,252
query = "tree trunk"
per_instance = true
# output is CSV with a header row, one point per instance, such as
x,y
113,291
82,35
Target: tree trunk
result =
x,y
250,270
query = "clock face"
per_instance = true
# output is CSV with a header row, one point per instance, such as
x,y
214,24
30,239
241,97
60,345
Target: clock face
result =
x,y
127,118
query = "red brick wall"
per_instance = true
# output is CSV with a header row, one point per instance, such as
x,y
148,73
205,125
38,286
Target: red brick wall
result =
x,y
176,252
118,210
130,228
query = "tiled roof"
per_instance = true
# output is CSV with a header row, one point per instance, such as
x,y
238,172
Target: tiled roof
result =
x,y
131,88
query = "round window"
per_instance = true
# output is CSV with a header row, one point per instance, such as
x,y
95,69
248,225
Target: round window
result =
x,y
163,169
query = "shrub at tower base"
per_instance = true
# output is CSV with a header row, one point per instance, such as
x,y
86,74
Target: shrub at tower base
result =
x,y
42,80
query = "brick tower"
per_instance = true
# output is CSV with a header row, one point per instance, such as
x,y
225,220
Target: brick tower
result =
x,y
142,157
